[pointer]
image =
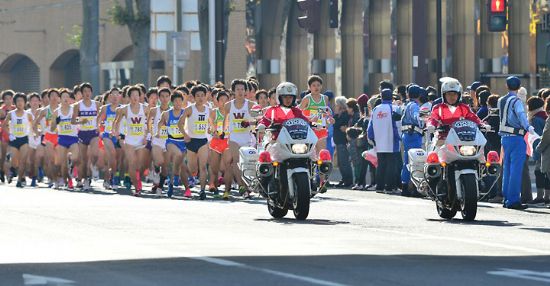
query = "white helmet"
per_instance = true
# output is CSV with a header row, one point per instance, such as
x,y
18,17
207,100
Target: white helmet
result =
x,y
451,84
286,88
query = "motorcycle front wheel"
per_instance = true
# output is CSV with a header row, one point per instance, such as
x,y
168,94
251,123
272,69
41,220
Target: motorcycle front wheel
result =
x,y
274,211
468,205
301,196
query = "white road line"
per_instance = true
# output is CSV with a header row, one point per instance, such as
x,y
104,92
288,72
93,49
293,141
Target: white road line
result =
x,y
229,263
522,274
470,241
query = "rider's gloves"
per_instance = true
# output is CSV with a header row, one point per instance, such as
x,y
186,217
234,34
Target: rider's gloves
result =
x,y
430,128
261,128
532,130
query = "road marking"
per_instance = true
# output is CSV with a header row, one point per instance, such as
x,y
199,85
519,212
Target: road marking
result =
x,y
229,263
522,274
29,279
470,241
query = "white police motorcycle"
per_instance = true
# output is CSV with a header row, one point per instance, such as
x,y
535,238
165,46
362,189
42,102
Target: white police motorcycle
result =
x,y
450,174
284,170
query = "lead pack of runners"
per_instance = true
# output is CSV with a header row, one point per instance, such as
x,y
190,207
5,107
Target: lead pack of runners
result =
x,y
175,137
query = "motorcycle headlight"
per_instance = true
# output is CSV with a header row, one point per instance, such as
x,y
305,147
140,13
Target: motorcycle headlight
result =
x,y
299,148
467,150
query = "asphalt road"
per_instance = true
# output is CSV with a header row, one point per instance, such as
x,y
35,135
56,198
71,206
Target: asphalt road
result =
x,y
50,237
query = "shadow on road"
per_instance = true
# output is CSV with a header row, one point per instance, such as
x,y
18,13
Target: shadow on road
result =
x,y
498,223
309,221
334,270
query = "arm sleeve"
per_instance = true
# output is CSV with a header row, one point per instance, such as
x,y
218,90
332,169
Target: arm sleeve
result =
x,y
370,130
470,115
520,112
434,118
545,141
266,121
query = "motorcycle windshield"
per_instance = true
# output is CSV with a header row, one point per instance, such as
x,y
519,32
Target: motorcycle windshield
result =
x,y
465,130
297,128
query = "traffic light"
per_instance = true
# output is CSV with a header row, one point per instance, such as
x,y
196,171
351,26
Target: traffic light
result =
x,y
310,20
496,15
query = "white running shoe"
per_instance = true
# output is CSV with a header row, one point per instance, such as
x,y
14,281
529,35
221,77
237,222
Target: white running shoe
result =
x,y
95,173
106,185
86,186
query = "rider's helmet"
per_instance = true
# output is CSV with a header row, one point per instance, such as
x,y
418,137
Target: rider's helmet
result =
x,y
286,88
451,84
414,91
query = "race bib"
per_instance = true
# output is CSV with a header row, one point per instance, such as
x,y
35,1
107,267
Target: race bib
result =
x,y
89,125
175,131
164,132
237,126
136,130
19,130
65,128
109,124
200,127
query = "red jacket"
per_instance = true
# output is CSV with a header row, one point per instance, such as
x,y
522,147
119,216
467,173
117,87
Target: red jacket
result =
x,y
442,115
275,114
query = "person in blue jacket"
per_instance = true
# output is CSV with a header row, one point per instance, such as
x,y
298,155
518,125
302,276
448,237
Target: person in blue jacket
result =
x,y
513,127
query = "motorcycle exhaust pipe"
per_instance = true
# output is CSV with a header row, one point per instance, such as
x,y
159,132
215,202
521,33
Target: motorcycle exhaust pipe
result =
x,y
325,168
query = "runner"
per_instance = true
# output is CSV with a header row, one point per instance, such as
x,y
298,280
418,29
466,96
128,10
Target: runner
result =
x,y
35,147
18,123
237,113
85,114
195,135
316,106
160,159
7,98
218,145
106,117
67,137
45,119
135,114
175,144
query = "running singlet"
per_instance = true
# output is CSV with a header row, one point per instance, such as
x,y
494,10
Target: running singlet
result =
x,y
48,120
197,123
110,115
136,124
156,120
65,127
89,113
19,125
219,122
313,107
172,124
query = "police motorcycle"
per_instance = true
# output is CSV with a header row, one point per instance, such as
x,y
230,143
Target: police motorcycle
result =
x,y
283,168
451,174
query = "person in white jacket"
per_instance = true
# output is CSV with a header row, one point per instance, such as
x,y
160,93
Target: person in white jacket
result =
x,y
383,131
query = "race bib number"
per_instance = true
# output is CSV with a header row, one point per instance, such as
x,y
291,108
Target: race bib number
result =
x,y
200,127
175,131
109,124
137,130
65,128
164,132
237,126
89,125
19,130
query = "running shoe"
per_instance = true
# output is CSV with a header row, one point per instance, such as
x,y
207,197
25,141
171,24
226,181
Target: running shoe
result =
x,y
202,195
2,177
86,186
247,195
127,183
137,193
188,193
155,177
158,191
116,181
95,172
242,190
192,181
40,174
217,194
79,184
226,195
177,181
33,183
70,185
19,184
170,190
106,185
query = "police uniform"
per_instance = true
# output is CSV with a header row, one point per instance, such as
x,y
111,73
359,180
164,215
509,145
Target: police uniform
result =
x,y
513,126
411,131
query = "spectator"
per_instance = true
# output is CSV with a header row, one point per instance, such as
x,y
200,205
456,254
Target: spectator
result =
x,y
383,132
537,117
544,150
483,110
352,134
341,118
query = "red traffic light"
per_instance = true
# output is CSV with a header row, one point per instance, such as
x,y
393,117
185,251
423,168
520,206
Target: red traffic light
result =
x,y
498,6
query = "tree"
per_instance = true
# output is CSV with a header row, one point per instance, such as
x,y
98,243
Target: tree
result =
x,y
89,46
138,21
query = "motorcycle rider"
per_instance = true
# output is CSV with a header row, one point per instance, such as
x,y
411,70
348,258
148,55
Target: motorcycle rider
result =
x,y
411,127
284,110
450,109
513,126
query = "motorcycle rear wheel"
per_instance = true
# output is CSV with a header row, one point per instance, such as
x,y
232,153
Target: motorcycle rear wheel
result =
x,y
301,196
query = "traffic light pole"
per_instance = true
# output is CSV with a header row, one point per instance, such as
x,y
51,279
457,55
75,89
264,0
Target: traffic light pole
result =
x,y
439,41
220,41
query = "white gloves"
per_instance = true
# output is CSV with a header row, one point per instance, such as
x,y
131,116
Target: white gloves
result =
x,y
431,128
260,128
532,130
